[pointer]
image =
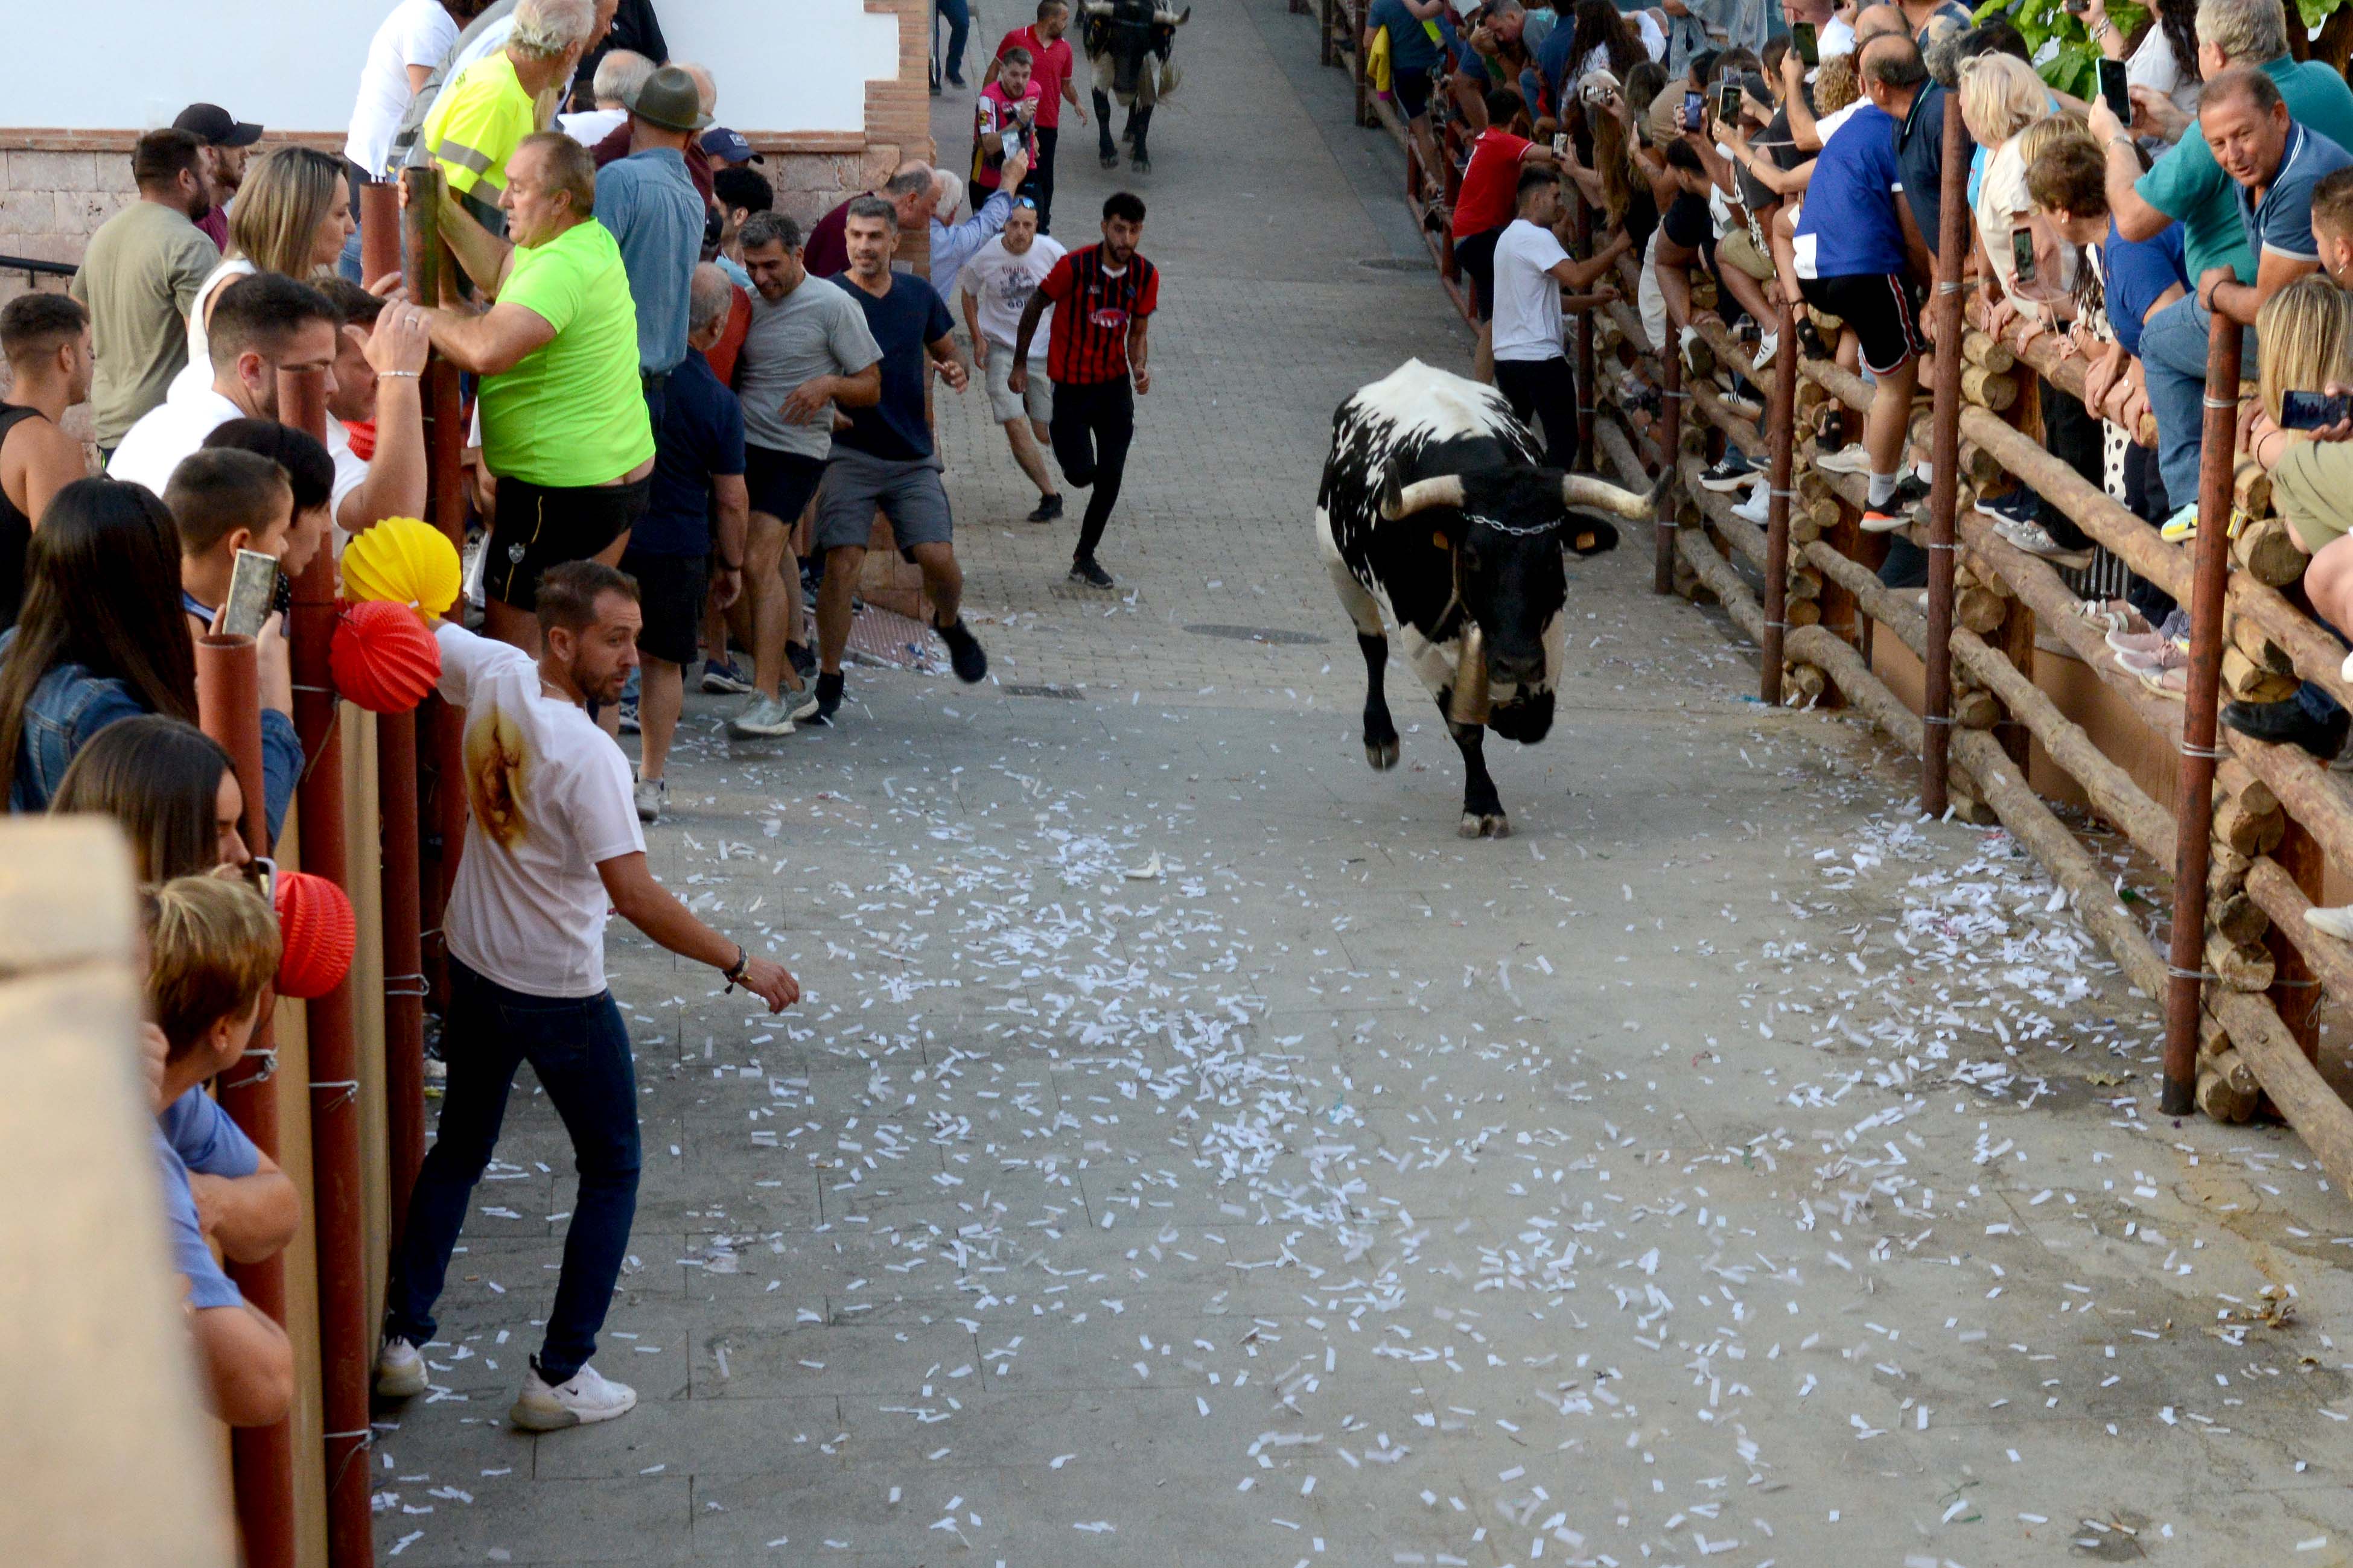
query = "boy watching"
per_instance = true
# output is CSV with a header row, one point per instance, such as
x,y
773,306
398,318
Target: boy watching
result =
x,y
225,501
213,950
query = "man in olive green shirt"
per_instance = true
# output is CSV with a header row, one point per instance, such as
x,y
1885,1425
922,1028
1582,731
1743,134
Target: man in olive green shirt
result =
x,y
139,277
564,428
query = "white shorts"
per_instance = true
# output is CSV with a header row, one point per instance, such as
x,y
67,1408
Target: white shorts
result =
x,y
1005,404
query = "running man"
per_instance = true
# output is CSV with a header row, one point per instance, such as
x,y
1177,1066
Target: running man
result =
x,y
1098,346
997,284
884,462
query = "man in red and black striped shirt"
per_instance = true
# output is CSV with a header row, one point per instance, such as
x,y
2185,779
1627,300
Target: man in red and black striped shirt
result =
x,y
1099,346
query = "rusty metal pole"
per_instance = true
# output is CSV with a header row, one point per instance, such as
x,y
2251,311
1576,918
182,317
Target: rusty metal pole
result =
x,y
1781,425
1945,452
1672,397
380,225
2193,805
339,1203
229,709
1585,371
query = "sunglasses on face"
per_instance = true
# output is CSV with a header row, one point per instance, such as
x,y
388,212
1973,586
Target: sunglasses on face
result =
x,y
1025,202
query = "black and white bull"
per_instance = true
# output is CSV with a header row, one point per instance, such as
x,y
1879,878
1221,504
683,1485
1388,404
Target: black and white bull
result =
x,y
1127,42
1437,512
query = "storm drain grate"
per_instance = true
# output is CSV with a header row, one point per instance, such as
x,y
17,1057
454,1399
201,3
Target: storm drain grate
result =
x,y
1397,264
1257,634
1069,693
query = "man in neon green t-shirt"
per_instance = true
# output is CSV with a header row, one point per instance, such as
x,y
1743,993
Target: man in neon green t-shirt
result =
x,y
564,429
491,105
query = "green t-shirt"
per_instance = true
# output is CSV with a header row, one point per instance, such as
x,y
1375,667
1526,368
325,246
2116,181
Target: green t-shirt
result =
x,y
2187,184
571,411
138,277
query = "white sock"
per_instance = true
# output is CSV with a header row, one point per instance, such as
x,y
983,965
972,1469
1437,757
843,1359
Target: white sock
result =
x,y
1882,489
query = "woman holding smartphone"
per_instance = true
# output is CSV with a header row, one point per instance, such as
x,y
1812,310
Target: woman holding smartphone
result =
x,y
2160,54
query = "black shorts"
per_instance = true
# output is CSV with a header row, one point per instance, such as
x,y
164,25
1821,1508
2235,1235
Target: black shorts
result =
x,y
1411,90
781,482
1475,253
1880,307
670,590
539,527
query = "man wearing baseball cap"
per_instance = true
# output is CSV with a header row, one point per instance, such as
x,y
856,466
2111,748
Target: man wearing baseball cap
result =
x,y
656,217
226,138
727,148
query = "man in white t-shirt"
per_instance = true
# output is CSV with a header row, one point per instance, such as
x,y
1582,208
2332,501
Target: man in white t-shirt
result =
x,y
552,838
406,46
996,284
1532,368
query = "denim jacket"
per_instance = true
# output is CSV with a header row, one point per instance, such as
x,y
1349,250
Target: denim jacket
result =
x,y
70,704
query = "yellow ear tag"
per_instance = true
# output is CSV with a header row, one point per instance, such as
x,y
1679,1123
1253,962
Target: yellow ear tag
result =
x,y
1438,542
1584,542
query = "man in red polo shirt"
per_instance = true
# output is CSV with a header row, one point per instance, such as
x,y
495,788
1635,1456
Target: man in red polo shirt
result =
x,y
1487,201
1051,68
1106,294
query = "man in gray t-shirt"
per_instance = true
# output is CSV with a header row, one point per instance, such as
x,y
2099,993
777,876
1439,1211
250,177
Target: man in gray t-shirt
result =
x,y
807,350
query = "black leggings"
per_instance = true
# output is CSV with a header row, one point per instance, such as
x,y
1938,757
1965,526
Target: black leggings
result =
x,y
1543,389
1093,423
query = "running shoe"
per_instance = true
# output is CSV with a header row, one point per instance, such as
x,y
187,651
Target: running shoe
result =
x,y
764,719
2181,527
629,716
650,795
964,653
1850,459
1729,473
1758,508
721,676
2035,539
1050,510
588,1396
1884,518
1089,573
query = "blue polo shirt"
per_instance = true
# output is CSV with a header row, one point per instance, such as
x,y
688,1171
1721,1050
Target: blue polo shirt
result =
x,y
701,435
1920,161
193,1133
2187,184
655,215
1849,227
2136,273
2280,224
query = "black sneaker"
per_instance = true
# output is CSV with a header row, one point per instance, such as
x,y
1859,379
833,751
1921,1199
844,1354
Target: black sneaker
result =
x,y
1733,473
1050,509
2289,723
804,662
829,697
1088,574
1906,566
1911,490
963,651
955,78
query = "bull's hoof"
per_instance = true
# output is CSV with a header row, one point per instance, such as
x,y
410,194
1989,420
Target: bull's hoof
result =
x,y
1140,164
1381,753
1491,825
1111,160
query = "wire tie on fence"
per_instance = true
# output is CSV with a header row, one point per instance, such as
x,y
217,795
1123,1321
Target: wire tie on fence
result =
x,y
406,985
1771,490
1936,718
2223,402
2173,973
330,691
1678,397
1777,626
2212,753
263,1073
1949,549
350,1086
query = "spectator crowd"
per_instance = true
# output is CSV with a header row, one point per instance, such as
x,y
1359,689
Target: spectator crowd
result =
x,y
684,412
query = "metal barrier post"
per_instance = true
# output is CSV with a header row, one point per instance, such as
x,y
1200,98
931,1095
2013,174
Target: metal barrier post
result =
x,y
1945,452
1781,434
1586,398
2193,803
1671,440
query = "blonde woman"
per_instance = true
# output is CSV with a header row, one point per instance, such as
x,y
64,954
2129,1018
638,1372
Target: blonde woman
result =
x,y
2001,96
293,214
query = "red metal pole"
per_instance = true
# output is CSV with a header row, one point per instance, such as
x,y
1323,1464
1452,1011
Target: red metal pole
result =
x,y
2193,805
1945,452
229,709
404,958
1781,428
1586,391
1671,443
380,225
340,1212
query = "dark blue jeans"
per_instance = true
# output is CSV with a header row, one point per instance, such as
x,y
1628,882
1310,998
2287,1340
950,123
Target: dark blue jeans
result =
x,y
957,13
580,1049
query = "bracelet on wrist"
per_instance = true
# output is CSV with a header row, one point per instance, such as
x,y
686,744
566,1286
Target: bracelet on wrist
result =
x,y
733,975
389,375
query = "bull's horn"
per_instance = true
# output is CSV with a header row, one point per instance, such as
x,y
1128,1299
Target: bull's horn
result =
x,y
1168,19
1583,490
1446,489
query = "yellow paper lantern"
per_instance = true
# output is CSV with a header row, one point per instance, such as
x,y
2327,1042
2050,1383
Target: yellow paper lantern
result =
x,y
405,560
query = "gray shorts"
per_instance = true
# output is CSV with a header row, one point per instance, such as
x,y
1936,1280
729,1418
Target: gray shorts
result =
x,y
857,486
1005,404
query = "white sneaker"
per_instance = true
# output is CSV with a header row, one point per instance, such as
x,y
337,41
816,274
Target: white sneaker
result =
x,y
2035,539
1766,347
2336,922
1850,459
589,1397
766,717
651,796
399,1368
799,706
1757,508
2346,668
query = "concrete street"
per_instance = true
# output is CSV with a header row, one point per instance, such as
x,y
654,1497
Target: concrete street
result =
x,y
1189,1152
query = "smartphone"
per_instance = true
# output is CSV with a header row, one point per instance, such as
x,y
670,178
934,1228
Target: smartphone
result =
x,y
2076,8
1560,145
1802,40
2114,89
2313,410
1694,110
2022,252
1727,103
252,589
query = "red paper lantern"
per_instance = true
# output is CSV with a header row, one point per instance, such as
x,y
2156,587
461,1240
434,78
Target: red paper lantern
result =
x,y
317,932
383,657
